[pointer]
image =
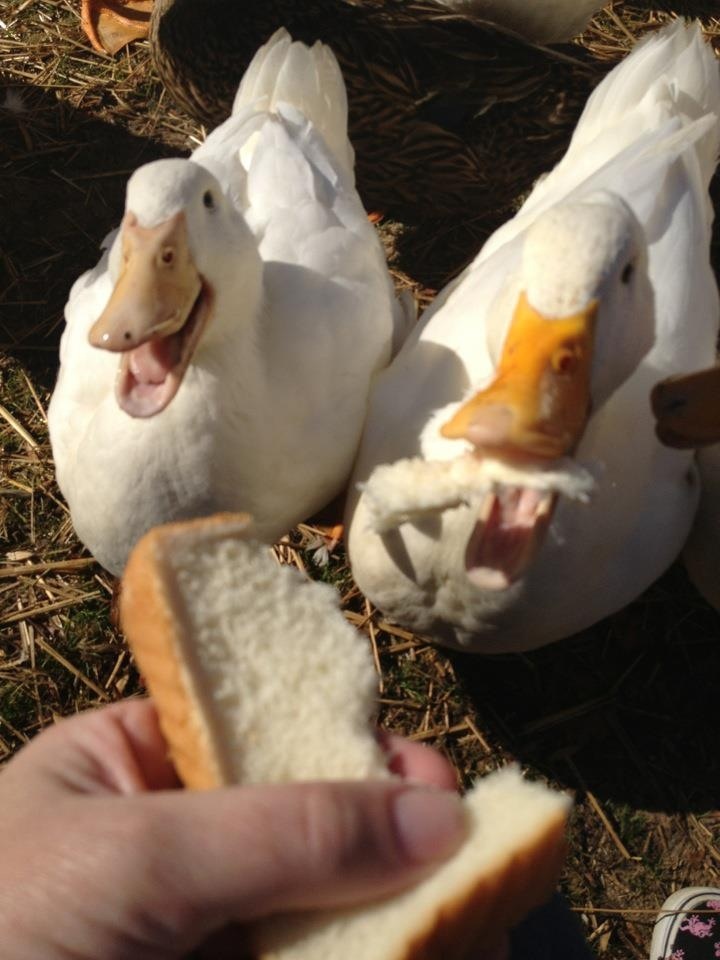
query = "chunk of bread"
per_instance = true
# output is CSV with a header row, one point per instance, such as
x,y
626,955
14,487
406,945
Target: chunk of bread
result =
x,y
258,677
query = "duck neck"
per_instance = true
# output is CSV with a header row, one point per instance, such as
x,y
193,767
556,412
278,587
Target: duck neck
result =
x,y
235,327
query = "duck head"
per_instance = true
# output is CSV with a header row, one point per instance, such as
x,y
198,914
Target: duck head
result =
x,y
182,250
582,321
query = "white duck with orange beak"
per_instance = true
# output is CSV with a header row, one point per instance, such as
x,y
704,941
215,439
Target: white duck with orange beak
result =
x,y
220,354
512,490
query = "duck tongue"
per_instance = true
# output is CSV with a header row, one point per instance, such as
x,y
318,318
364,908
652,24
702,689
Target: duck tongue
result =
x,y
149,376
153,360
510,530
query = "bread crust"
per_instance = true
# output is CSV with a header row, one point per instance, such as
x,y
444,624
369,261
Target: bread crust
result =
x,y
485,910
155,638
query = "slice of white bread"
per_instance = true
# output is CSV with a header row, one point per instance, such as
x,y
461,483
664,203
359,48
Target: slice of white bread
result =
x,y
258,677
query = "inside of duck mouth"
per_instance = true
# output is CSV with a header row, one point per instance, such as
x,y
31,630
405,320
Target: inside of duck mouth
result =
x,y
153,361
510,528
150,374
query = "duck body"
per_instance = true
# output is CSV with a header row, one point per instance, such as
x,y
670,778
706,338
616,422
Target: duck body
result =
x,y
298,313
639,164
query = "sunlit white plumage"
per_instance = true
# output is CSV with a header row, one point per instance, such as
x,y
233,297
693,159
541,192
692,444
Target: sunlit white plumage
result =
x,y
619,231
280,258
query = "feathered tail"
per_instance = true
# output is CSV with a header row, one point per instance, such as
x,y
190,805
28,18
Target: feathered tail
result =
x,y
674,70
307,78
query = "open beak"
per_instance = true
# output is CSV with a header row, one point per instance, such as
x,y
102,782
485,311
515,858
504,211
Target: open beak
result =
x,y
155,314
538,404
687,409
534,411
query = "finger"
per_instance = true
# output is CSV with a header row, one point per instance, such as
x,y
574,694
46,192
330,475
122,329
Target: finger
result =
x,y
138,720
236,854
115,749
415,761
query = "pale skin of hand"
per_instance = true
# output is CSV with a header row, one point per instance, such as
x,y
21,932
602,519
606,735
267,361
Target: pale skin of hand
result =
x,y
104,856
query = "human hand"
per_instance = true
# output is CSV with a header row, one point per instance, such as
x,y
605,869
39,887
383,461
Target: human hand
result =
x,y
103,857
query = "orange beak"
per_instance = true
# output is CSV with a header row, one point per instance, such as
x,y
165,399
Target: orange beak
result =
x,y
157,288
687,409
537,406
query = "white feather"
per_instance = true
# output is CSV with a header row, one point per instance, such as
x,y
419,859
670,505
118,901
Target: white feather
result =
x,y
647,144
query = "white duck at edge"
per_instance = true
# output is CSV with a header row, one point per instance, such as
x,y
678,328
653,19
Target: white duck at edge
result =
x,y
537,363
219,356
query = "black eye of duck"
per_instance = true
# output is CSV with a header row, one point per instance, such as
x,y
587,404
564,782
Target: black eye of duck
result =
x,y
628,270
208,200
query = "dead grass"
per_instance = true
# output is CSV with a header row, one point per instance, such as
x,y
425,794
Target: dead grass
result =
x,y
624,714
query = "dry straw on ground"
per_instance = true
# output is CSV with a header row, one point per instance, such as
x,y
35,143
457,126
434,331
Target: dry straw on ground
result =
x,y
624,714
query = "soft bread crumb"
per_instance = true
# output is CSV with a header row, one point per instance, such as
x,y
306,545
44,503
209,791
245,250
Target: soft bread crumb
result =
x,y
289,679
409,488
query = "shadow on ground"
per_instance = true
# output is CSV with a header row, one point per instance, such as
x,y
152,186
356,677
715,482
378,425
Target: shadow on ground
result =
x,y
628,709
62,190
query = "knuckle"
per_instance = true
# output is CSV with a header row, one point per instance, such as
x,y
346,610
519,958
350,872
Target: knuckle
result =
x,y
338,833
331,830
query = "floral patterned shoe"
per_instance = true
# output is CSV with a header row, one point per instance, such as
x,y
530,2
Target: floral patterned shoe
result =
x,y
688,926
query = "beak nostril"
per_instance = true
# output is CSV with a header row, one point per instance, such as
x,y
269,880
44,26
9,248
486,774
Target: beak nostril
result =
x,y
564,361
127,335
168,255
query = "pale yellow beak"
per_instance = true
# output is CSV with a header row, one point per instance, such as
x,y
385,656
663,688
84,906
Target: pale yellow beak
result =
x,y
537,406
156,290
687,409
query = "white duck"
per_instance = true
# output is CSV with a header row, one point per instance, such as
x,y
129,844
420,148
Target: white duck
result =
x,y
544,21
220,354
572,311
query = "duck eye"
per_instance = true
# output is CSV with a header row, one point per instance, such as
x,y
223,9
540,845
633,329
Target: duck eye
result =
x,y
628,271
208,200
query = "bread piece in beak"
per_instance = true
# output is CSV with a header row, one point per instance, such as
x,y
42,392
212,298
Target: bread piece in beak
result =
x,y
533,412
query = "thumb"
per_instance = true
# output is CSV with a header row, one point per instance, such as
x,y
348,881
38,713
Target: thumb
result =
x,y
236,854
